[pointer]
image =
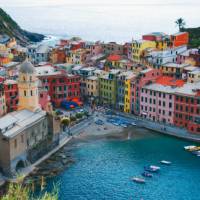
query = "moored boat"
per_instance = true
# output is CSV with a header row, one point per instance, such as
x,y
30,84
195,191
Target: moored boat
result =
x,y
138,180
189,147
146,174
165,162
152,168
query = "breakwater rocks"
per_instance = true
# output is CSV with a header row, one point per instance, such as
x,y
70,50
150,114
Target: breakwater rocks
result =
x,y
51,167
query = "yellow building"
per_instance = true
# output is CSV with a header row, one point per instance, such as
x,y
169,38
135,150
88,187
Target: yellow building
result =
x,y
76,56
92,86
28,88
127,91
139,47
173,69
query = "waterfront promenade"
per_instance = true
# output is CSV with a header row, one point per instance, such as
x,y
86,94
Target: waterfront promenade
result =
x,y
165,129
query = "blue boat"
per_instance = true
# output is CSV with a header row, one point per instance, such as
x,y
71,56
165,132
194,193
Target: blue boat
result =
x,y
146,174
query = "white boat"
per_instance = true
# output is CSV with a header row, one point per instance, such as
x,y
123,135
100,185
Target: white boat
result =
x,y
189,147
138,180
165,162
124,125
116,124
154,167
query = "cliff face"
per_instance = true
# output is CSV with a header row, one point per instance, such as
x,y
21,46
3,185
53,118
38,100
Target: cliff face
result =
x,y
9,27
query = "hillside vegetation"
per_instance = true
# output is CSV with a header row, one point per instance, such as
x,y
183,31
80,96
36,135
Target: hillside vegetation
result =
x,y
9,27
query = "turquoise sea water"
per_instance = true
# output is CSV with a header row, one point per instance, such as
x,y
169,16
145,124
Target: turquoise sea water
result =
x,y
103,170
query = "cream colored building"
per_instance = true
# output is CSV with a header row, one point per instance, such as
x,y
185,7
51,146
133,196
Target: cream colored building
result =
x,y
92,86
194,76
29,133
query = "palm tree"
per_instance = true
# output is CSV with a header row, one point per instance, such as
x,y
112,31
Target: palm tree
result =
x,y
180,22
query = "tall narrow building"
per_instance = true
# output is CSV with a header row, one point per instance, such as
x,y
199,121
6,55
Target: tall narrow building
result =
x,y
28,88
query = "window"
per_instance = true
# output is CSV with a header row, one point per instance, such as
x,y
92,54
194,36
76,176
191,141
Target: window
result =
x,y
24,92
31,93
15,143
22,138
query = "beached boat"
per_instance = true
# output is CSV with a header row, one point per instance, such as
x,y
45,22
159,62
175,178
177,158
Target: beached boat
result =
x,y
124,125
133,124
189,147
152,168
115,123
146,174
138,180
165,162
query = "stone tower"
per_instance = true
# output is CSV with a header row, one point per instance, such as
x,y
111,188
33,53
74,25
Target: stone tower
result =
x,y
28,87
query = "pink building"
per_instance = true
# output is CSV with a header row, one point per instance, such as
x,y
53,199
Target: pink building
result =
x,y
158,100
144,77
96,49
182,57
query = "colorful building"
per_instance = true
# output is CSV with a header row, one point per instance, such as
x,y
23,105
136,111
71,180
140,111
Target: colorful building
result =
x,y
161,39
124,90
139,47
144,77
11,95
108,88
194,76
58,55
173,69
60,86
38,53
112,48
157,100
179,39
187,109
169,55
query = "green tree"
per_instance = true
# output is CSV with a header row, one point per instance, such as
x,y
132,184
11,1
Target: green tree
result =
x,y
65,122
180,22
79,115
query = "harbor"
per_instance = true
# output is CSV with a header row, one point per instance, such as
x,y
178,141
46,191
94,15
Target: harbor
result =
x,y
103,166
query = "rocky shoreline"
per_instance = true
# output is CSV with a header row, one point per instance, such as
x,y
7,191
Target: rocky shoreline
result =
x,y
63,159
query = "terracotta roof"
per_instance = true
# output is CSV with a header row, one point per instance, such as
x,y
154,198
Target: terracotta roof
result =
x,y
170,81
114,57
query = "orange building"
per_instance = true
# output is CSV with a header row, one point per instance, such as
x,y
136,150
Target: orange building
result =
x,y
180,39
58,56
